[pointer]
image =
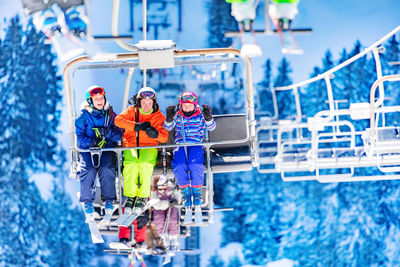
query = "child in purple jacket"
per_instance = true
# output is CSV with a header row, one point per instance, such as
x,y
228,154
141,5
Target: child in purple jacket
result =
x,y
188,162
165,212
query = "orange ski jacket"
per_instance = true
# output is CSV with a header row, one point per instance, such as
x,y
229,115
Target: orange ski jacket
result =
x,y
127,120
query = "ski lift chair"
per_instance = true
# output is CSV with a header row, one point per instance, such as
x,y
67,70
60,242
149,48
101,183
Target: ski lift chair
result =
x,y
224,144
382,142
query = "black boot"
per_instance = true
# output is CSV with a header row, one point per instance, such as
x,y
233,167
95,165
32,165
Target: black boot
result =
x,y
247,25
140,202
129,202
284,24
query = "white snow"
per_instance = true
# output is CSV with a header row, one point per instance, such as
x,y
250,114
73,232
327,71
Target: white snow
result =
x,y
155,44
281,263
230,251
44,182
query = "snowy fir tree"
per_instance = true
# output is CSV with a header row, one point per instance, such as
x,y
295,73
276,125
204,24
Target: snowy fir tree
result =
x,y
263,90
215,261
31,235
234,261
391,65
346,224
219,22
24,212
314,97
285,99
69,241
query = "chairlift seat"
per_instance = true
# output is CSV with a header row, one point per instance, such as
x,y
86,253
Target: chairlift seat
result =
x,y
230,157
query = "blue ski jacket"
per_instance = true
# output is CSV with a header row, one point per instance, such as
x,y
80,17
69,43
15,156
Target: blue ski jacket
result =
x,y
93,118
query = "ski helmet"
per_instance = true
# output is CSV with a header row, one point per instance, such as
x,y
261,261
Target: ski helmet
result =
x,y
188,97
146,93
162,181
94,90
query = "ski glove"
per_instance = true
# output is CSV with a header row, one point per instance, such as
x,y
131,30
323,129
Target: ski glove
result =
x,y
142,126
171,112
207,112
100,132
152,132
98,142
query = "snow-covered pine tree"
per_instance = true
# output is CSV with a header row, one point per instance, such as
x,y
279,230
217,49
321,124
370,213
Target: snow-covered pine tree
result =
x,y
215,261
314,97
69,238
220,21
23,211
42,97
391,65
234,261
236,197
285,99
390,56
264,96
343,79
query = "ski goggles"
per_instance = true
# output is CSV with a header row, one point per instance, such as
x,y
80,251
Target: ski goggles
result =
x,y
147,94
97,90
188,98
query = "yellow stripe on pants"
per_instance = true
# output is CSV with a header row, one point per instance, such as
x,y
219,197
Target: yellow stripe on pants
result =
x,y
138,171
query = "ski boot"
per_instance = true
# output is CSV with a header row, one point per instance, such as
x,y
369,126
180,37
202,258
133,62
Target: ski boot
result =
x,y
198,216
187,202
188,215
76,20
89,212
284,24
108,211
129,202
246,25
139,204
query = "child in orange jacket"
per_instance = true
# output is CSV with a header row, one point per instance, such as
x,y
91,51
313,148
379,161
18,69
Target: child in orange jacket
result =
x,y
143,124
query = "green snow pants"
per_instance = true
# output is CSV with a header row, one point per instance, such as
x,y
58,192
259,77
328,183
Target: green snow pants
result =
x,y
138,172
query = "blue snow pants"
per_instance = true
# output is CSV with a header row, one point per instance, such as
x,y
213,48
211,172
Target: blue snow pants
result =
x,y
194,164
106,172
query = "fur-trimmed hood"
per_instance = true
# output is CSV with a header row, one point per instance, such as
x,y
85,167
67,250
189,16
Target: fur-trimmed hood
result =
x,y
85,106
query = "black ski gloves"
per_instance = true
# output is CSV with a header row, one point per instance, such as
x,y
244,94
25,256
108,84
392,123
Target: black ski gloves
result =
x,y
142,126
152,132
100,133
207,112
171,112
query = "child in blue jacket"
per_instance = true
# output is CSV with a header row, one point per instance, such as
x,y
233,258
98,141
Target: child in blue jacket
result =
x,y
188,162
95,128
